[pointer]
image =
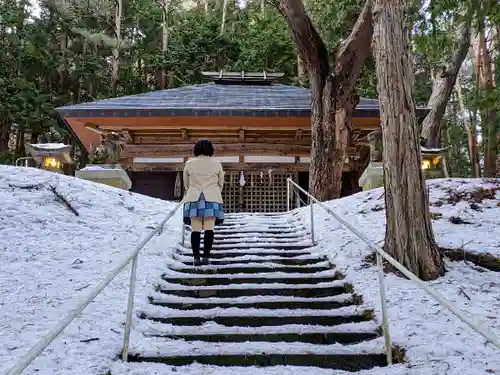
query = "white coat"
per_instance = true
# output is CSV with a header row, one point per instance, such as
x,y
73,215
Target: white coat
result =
x,y
203,174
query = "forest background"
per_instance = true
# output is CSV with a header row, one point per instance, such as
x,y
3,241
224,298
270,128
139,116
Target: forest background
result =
x,y
60,52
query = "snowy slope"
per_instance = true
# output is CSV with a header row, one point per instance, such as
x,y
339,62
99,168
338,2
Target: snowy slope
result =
x,y
50,258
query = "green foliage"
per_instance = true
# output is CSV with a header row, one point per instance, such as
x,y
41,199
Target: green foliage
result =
x,y
7,157
63,55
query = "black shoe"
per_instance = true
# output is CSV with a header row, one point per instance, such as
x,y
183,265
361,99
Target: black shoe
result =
x,y
209,241
197,262
205,261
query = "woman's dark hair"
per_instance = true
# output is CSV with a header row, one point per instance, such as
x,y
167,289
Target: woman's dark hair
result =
x,y
203,147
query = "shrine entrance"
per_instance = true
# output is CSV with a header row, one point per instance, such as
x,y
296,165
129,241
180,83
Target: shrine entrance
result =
x,y
255,191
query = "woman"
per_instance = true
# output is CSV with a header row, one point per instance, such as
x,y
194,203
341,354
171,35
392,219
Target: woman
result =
x,y
203,207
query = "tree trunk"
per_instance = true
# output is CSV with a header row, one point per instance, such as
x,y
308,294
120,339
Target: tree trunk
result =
x,y
115,63
332,99
4,135
470,128
302,72
488,115
409,237
20,147
443,87
223,21
165,5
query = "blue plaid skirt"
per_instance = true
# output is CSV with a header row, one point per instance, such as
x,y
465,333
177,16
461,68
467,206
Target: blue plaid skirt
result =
x,y
202,208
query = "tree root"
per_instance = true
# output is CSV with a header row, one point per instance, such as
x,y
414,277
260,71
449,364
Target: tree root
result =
x,y
484,260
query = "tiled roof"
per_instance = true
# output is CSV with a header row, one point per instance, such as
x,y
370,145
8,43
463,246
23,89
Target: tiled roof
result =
x,y
211,100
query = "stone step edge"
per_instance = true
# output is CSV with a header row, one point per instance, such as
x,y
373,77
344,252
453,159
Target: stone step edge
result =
x,y
258,276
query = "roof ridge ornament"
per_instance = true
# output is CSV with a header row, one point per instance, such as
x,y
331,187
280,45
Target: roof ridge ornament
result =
x,y
243,78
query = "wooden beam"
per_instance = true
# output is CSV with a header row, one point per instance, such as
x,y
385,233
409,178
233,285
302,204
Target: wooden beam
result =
x,y
221,149
261,167
242,135
216,138
264,167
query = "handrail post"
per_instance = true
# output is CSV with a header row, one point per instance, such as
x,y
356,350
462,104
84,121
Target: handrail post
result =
x,y
383,301
130,308
311,202
288,194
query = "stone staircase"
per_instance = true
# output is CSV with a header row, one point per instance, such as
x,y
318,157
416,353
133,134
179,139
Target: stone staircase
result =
x,y
264,286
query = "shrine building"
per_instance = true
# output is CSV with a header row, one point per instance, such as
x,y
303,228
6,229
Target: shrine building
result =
x,y
261,131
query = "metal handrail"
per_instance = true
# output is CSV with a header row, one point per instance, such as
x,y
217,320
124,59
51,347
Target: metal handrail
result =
x,y
29,357
25,159
381,253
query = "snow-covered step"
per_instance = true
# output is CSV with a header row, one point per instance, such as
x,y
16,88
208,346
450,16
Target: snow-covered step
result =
x,y
250,279
356,357
251,268
259,321
350,333
264,245
265,285
292,303
256,229
261,228
251,251
242,290
240,260
212,328
258,240
260,235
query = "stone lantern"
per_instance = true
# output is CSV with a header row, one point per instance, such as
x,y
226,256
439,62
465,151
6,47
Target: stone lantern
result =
x,y
433,162
373,176
51,156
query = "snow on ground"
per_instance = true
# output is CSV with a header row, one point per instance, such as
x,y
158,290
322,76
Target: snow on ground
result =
x,y
50,258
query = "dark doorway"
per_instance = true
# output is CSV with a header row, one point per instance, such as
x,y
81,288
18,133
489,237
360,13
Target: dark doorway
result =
x,y
155,184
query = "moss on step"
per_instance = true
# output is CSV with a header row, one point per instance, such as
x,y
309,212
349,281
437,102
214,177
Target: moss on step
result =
x,y
348,288
368,314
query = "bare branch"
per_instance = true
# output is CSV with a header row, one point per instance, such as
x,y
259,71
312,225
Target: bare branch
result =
x,y
309,44
353,53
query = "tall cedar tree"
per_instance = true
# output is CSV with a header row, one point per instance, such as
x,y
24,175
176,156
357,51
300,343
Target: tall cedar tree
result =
x,y
332,87
408,237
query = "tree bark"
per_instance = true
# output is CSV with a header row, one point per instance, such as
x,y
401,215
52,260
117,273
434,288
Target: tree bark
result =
x,y
332,97
442,88
470,128
5,127
302,72
164,45
409,237
115,62
489,115
224,15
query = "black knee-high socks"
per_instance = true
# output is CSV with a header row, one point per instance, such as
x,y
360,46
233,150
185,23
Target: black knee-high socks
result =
x,y
209,241
195,244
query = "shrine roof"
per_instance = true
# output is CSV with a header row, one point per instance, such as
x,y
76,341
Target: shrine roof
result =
x,y
210,99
